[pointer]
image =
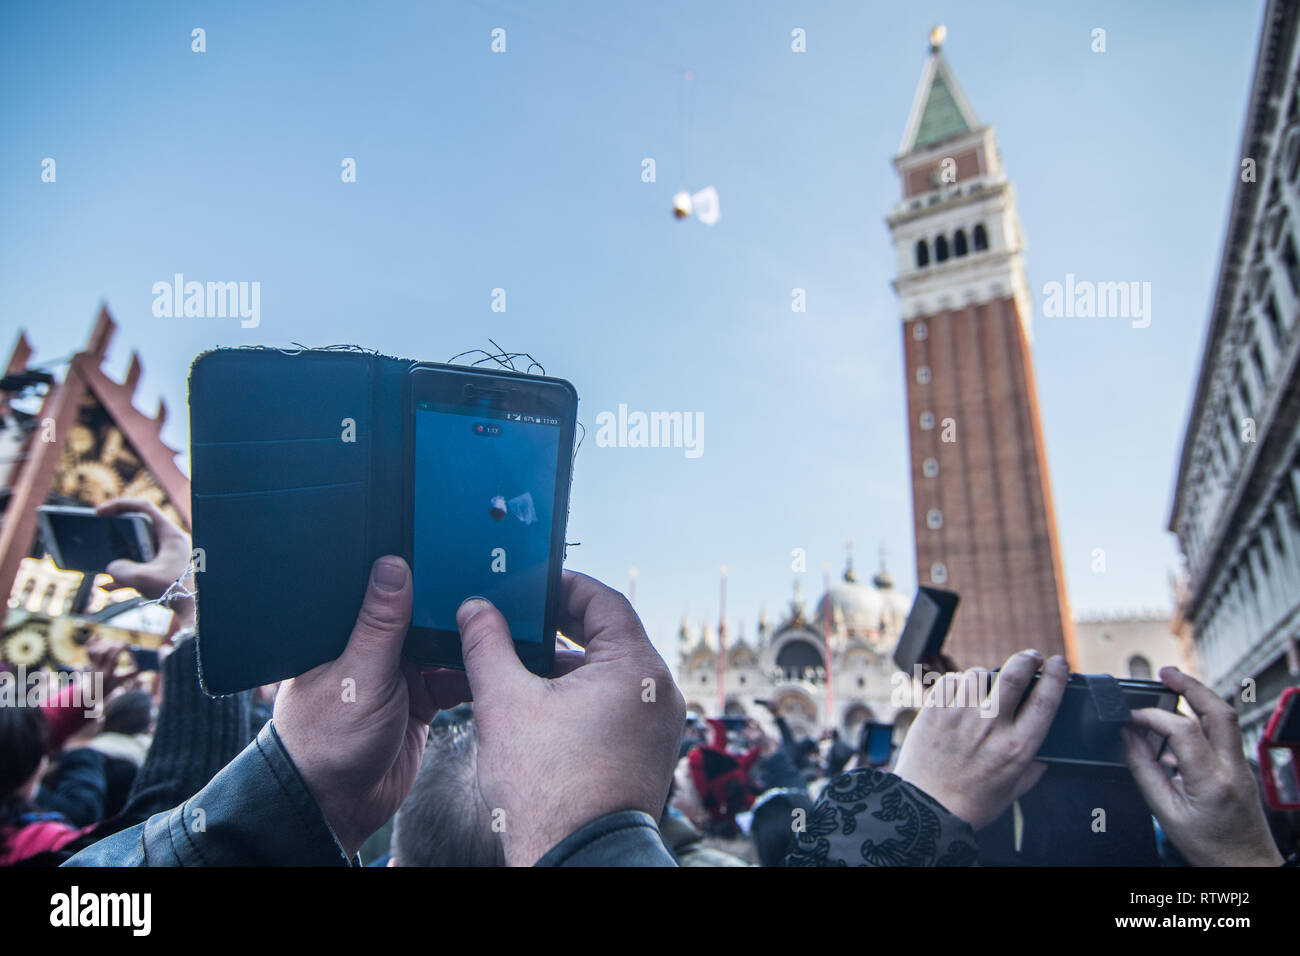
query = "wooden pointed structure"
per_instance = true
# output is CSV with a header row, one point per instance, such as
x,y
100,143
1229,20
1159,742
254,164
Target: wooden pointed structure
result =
x,y
87,444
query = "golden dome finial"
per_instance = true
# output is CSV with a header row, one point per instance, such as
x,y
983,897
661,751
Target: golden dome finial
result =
x,y
937,36
849,574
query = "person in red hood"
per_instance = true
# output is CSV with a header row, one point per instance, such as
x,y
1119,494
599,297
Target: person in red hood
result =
x,y
722,778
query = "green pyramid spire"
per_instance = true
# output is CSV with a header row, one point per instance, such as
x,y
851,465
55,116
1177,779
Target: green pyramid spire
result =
x,y
942,117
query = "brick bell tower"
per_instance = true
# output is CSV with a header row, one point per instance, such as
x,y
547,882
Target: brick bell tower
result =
x,y
982,501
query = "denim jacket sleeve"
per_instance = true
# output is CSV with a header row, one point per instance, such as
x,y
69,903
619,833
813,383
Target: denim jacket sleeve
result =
x,y
873,818
256,812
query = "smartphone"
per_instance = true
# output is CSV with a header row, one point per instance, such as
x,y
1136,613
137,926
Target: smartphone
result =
x,y
876,743
79,539
145,658
926,627
489,461
1079,734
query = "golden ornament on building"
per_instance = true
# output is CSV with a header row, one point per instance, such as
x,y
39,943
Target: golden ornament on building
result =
x,y
97,482
143,486
117,451
81,441
25,647
64,647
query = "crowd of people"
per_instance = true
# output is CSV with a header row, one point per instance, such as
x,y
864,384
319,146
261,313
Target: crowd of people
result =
x,y
367,760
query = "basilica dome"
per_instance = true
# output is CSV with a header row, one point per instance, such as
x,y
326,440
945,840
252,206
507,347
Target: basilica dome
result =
x,y
859,609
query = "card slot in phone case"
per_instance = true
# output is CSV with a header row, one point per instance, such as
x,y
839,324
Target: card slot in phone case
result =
x,y
298,609
271,466
256,492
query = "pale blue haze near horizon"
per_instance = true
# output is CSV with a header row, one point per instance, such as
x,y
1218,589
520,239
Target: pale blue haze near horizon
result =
x,y
522,171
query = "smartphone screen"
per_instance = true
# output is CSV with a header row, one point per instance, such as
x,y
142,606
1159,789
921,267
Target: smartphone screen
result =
x,y
878,745
489,497
484,484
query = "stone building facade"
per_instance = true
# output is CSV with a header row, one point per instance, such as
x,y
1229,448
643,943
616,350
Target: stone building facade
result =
x,y
825,666
1236,507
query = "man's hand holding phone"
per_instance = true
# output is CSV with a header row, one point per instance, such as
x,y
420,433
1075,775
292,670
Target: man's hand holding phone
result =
x,y
556,754
356,727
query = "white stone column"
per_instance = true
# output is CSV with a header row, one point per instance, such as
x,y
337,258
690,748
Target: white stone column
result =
x,y
1232,622
1268,353
1249,626
1205,636
1269,348
1232,446
1237,402
1258,596
1278,282
1286,540
1225,630
1282,591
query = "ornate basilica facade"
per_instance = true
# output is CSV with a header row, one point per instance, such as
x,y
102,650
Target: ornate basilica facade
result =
x,y
828,666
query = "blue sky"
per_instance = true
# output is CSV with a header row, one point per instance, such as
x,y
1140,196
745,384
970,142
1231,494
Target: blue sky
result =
x,y
522,171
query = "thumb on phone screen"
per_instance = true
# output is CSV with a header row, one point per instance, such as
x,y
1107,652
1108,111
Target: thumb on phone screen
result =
x,y
489,652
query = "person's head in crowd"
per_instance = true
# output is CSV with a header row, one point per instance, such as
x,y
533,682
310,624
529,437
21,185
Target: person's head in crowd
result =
x,y
838,755
776,815
722,779
761,730
695,732
23,738
444,820
130,714
684,798
806,753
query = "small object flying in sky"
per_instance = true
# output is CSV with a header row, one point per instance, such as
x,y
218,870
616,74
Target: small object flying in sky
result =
x,y
703,203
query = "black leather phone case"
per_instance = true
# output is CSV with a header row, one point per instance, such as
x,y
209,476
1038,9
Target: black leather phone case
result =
x,y
288,512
